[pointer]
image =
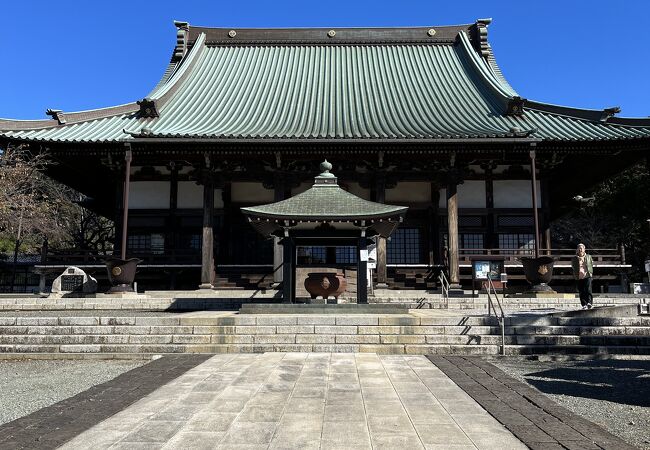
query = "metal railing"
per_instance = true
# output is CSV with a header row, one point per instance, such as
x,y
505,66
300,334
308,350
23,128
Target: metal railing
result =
x,y
444,288
491,291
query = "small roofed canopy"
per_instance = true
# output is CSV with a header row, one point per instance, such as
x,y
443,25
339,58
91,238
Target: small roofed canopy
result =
x,y
325,207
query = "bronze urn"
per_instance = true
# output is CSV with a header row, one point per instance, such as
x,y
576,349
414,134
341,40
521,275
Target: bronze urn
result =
x,y
325,284
121,273
538,272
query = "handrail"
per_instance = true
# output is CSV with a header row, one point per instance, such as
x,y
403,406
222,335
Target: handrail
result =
x,y
501,318
444,288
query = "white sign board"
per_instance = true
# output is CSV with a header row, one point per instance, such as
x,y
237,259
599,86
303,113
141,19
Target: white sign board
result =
x,y
363,255
372,256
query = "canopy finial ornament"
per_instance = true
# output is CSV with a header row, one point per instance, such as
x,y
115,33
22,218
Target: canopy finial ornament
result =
x,y
325,167
325,176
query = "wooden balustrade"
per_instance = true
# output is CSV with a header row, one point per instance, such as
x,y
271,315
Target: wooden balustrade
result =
x,y
601,256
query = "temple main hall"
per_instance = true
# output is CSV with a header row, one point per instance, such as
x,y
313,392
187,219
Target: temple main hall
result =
x,y
420,118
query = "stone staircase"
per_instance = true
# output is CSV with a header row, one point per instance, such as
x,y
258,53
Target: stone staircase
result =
x,y
411,279
418,332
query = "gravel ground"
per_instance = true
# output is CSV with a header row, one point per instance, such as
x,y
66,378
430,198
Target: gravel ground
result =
x,y
87,313
28,386
615,394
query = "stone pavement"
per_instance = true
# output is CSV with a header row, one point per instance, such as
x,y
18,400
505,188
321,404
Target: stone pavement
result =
x,y
54,425
538,421
303,401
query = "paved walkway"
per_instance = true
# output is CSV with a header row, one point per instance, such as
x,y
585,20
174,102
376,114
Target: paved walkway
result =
x,y
304,401
538,421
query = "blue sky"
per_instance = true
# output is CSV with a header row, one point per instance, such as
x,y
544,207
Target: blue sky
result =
x,y
76,55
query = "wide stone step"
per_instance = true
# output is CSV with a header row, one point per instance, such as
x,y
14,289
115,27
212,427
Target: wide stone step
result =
x,y
606,340
576,350
579,330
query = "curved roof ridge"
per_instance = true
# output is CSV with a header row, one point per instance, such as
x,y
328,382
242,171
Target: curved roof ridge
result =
x,y
61,118
184,68
170,70
593,115
498,73
486,74
328,35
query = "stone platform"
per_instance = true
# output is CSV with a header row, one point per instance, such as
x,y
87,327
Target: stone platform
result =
x,y
233,300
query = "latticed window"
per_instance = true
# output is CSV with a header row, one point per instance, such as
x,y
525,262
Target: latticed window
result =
x,y
312,255
195,242
139,243
471,241
467,241
404,246
146,243
516,243
346,255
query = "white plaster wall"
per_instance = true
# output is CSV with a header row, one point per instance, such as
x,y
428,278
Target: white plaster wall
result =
x,y
471,194
248,192
149,195
356,189
218,198
190,195
442,200
515,194
410,191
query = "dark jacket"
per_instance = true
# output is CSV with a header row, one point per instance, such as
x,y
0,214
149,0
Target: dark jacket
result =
x,y
575,265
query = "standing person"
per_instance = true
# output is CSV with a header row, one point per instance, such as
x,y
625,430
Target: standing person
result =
x,y
583,270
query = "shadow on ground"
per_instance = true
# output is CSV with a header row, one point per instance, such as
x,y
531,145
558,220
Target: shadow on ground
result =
x,y
618,381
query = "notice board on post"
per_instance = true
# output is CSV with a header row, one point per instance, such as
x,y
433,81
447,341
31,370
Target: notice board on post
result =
x,y
487,268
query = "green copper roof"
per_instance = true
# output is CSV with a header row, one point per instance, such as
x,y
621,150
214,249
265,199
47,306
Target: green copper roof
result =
x,y
356,84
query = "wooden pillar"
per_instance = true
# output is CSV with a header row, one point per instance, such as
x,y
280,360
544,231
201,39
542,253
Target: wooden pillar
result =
x,y
382,259
288,275
119,211
207,244
432,228
382,269
278,195
128,157
452,230
362,270
546,214
533,171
